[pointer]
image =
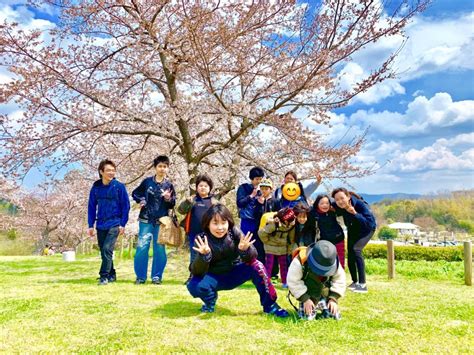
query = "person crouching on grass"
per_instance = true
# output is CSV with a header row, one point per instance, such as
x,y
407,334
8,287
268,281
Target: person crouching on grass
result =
x,y
317,280
225,260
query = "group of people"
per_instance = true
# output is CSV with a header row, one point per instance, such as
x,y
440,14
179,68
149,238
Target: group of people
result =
x,y
278,229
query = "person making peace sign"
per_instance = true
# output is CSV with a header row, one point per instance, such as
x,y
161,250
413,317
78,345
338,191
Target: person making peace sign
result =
x,y
225,260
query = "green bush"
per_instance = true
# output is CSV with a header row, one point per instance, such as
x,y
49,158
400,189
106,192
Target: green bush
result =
x,y
386,233
415,253
12,234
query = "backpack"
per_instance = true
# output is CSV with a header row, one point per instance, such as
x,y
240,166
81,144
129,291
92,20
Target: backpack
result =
x,y
265,218
302,254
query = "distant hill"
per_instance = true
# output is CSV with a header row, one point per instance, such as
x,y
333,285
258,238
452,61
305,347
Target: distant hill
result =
x,y
374,198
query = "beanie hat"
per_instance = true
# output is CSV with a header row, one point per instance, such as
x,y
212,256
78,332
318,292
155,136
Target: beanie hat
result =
x,y
322,258
266,182
286,215
256,171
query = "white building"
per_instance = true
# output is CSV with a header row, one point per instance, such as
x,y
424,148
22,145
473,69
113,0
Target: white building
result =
x,y
405,228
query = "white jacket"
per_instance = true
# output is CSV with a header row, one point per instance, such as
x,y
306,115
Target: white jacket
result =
x,y
312,287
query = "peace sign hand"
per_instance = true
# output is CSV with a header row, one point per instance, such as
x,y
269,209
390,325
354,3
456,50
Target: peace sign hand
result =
x,y
246,242
202,246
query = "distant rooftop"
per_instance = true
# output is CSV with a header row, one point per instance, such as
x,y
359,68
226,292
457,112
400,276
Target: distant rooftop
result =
x,y
400,225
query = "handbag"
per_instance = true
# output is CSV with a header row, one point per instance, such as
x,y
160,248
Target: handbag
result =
x,y
170,233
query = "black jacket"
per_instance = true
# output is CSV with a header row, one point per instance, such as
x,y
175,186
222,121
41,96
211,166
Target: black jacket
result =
x,y
223,256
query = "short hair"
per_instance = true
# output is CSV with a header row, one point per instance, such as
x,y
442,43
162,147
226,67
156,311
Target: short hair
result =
x,y
255,172
292,173
102,165
216,210
206,178
161,159
301,207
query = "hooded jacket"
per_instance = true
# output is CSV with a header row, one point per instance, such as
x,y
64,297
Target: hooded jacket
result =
x,y
224,254
277,238
108,205
249,208
360,224
150,191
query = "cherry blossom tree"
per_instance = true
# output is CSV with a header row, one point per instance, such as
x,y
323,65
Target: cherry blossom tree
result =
x,y
55,212
219,86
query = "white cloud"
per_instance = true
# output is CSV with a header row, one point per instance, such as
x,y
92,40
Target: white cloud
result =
x,y
459,140
353,73
435,157
433,46
421,116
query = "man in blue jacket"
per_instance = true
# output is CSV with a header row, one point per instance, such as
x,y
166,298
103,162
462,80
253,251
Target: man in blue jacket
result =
x,y
156,196
250,202
108,209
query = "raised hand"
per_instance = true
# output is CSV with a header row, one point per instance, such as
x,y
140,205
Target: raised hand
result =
x,y
350,208
202,246
254,192
166,194
246,241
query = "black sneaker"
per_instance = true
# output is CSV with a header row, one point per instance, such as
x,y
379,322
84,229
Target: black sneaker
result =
x,y
112,278
352,286
103,281
208,308
139,282
360,289
277,311
156,281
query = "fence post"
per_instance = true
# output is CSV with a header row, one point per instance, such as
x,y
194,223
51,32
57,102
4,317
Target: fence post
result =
x,y
468,263
390,259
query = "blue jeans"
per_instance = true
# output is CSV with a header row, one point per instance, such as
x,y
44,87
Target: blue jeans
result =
x,y
250,225
206,287
106,239
146,233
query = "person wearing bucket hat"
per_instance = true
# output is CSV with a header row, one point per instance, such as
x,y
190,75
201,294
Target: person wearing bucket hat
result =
x,y
315,276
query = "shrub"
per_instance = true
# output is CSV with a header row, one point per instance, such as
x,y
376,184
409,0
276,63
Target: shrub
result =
x,y
386,233
12,234
416,253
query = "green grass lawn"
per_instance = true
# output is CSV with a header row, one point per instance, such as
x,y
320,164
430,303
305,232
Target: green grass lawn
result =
x,y
50,305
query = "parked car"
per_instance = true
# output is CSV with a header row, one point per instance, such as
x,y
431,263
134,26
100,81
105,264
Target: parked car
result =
x,y
446,243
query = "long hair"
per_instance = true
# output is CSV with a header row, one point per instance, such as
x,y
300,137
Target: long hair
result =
x,y
346,192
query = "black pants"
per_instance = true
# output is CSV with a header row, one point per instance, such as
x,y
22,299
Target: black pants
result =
x,y
355,259
107,239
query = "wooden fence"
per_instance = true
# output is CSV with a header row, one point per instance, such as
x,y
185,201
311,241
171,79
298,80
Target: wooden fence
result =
x,y
467,261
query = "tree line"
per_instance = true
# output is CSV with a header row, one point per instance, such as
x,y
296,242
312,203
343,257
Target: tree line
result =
x,y
450,212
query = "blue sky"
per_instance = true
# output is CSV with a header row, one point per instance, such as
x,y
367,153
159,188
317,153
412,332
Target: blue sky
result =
x,y
421,124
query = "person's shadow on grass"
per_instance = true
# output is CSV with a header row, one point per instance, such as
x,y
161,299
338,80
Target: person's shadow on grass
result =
x,y
187,309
